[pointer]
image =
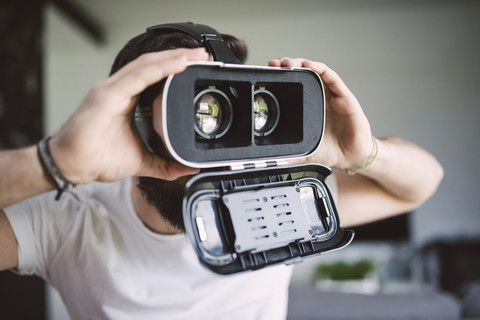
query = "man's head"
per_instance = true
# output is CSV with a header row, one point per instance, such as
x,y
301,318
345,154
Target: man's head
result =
x,y
166,196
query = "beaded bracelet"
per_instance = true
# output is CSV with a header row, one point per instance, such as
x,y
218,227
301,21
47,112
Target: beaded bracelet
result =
x,y
369,161
51,170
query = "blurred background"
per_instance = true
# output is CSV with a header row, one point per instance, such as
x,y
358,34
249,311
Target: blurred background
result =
x,y
413,65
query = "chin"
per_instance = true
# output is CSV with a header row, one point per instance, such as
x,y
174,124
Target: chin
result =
x,y
166,197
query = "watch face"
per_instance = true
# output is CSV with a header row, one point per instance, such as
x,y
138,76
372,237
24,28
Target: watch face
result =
x,y
246,220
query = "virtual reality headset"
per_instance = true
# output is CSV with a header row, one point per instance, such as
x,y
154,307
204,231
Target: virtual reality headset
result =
x,y
250,209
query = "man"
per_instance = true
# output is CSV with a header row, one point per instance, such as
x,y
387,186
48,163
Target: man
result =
x,y
114,246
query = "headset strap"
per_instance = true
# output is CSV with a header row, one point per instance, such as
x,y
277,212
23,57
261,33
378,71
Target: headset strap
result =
x,y
207,36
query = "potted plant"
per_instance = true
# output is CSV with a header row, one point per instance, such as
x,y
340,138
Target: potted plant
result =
x,y
355,277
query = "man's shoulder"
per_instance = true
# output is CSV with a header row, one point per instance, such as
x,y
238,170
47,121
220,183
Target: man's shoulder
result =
x,y
100,199
102,192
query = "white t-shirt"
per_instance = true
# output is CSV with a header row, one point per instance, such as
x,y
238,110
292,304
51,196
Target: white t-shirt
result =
x,y
92,247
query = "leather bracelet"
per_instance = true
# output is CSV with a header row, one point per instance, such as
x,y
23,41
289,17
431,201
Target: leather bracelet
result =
x,y
51,170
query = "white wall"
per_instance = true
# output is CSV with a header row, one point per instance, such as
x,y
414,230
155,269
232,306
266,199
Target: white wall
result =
x,y
73,64
412,64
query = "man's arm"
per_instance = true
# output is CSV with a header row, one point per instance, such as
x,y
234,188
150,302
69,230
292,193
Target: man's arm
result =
x,y
22,176
8,244
97,143
400,179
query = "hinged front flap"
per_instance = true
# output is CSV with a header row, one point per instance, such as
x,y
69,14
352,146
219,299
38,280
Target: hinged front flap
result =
x,y
250,219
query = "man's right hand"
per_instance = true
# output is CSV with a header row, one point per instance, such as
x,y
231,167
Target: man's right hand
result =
x,y
98,142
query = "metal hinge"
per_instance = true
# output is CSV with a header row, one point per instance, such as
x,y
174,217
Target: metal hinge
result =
x,y
258,164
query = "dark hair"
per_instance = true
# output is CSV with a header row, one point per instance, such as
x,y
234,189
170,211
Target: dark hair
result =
x,y
160,41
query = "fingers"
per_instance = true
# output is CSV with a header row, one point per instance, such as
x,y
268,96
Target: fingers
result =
x,y
287,62
329,77
150,68
157,167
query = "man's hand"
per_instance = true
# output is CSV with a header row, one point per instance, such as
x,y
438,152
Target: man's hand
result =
x,y
98,141
401,178
347,142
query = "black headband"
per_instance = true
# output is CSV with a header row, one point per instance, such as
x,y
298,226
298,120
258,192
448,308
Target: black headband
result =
x,y
207,36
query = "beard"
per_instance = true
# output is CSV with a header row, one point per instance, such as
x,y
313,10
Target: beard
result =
x,y
166,197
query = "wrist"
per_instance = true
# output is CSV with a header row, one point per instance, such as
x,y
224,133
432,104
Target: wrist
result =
x,y
70,161
51,170
368,162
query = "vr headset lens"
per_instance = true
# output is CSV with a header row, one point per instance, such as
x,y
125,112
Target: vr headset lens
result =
x,y
266,112
213,113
